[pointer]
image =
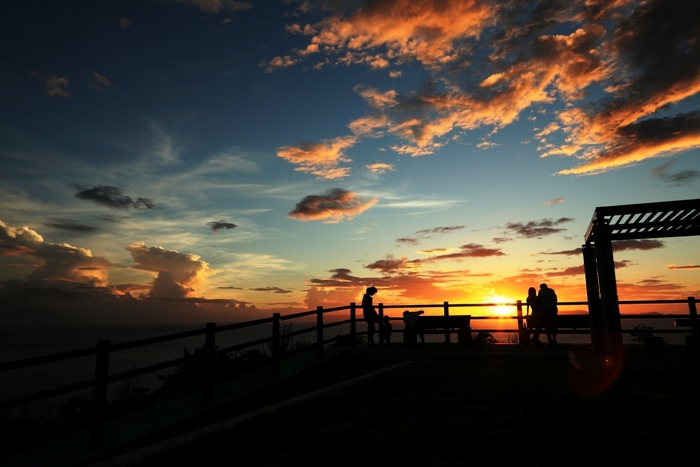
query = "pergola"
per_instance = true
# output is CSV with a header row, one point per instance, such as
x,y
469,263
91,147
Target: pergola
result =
x,y
625,222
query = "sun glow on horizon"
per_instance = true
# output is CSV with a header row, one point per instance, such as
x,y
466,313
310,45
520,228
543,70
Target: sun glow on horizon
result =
x,y
504,307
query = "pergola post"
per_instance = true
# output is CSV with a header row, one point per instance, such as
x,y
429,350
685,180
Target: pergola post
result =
x,y
610,307
593,295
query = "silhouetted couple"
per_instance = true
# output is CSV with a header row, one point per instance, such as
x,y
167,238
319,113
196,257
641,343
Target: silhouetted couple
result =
x,y
544,313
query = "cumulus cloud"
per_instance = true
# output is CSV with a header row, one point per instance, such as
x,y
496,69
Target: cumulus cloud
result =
x,y
332,206
220,225
112,197
320,159
61,261
177,273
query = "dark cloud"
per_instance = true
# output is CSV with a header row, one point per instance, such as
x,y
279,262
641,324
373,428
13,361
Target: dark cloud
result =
x,y
72,226
392,265
684,177
580,271
470,250
439,230
271,289
331,206
112,197
617,245
622,245
231,287
427,233
535,229
220,225
685,266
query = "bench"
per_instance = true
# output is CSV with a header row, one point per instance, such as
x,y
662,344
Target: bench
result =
x,y
573,322
459,323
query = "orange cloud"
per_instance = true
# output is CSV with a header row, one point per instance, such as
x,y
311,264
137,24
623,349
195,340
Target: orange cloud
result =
x,y
425,30
331,207
380,168
320,159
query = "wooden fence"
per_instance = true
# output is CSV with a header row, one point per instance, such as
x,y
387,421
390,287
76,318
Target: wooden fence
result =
x,y
104,348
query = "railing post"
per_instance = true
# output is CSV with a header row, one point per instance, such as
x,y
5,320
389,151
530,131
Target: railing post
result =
x,y
381,322
319,331
353,325
275,344
523,334
693,315
209,367
99,394
446,312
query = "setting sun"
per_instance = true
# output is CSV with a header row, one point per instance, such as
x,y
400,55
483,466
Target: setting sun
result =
x,y
505,305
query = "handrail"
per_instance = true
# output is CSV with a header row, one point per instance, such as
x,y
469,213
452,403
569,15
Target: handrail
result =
x,y
210,351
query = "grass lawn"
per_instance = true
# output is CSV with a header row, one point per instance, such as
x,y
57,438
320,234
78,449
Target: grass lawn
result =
x,y
486,410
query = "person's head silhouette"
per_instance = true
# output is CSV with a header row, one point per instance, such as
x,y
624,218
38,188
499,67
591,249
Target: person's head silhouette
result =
x,y
371,290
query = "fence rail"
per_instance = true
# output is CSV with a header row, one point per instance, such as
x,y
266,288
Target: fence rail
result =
x,y
104,347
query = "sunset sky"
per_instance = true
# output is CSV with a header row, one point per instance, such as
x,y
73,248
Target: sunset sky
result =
x,y
240,157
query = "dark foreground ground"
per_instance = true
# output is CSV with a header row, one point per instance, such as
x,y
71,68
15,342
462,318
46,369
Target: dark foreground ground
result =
x,y
481,408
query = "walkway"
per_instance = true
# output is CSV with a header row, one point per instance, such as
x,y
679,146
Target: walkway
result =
x,y
155,428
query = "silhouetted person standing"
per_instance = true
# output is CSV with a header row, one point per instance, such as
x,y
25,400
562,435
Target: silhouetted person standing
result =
x,y
548,302
369,313
536,318
386,329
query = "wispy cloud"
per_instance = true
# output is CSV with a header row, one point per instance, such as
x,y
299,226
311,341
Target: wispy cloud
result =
x,y
685,266
56,86
217,6
428,233
71,226
277,290
555,201
99,82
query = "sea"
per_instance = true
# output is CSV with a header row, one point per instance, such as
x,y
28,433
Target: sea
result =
x,y
19,342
